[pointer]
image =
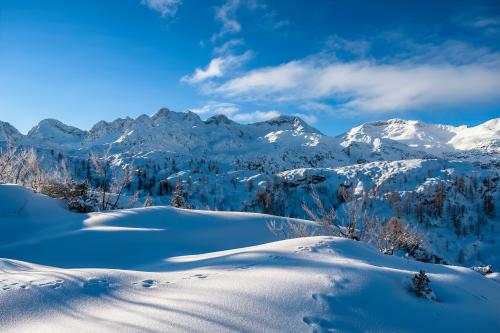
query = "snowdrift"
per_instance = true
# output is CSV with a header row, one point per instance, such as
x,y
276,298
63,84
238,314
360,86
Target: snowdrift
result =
x,y
163,269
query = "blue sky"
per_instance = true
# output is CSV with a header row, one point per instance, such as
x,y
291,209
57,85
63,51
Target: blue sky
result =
x,y
336,63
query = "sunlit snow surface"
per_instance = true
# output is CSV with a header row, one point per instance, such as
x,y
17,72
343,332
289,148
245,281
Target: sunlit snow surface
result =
x,y
166,270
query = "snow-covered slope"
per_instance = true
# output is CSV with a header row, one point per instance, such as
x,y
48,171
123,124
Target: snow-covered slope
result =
x,y
34,227
177,283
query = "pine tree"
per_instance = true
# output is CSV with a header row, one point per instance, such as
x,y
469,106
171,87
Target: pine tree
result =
x,y
148,202
178,196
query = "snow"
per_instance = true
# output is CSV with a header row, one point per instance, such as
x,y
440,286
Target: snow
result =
x,y
162,269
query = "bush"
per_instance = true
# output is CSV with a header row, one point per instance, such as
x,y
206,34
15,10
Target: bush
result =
x,y
397,237
79,197
76,194
487,269
148,202
54,189
420,286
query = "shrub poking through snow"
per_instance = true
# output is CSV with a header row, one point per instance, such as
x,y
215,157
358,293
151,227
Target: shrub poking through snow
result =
x,y
398,237
483,269
148,202
76,194
290,229
420,286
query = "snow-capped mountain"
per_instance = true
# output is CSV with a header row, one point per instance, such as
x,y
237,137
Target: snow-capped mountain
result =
x,y
435,140
286,142
54,132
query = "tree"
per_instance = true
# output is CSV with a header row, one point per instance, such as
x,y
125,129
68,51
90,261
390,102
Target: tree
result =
x,y
119,184
420,286
396,236
328,219
148,202
20,166
103,168
179,196
489,206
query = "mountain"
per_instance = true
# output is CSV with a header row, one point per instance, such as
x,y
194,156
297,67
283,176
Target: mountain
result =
x,y
285,142
435,140
54,132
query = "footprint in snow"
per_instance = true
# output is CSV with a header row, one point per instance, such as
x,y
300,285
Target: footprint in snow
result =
x,y
318,324
149,283
276,257
199,276
6,285
51,284
96,283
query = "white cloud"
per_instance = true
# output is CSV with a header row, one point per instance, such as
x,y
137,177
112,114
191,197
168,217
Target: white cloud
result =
x,y
367,86
256,116
228,46
226,14
218,67
485,22
167,8
232,111
214,107
316,106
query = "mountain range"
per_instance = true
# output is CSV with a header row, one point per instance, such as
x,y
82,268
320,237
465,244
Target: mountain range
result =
x,y
286,141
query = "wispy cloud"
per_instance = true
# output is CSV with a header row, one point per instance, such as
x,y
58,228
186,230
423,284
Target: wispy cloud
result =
x,y
226,15
479,18
367,86
233,111
167,8
316,106
214,107
228,46
217,67
256,116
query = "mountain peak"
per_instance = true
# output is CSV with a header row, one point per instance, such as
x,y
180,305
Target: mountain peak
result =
x,y
162,113
219,119
296,123
53,130
9,133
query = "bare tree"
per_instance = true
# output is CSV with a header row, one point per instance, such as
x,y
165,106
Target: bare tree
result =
x,y
102,167
329,220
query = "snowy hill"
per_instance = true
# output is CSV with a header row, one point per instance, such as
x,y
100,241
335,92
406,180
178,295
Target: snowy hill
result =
x,y
155,269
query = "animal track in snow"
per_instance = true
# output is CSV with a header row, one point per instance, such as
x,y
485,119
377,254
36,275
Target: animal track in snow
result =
x,y
199,276
55,284
96,283
276,257
5,285
149,283
318,324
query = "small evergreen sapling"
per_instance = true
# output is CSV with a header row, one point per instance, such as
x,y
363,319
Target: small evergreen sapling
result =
x,y
179,196
420,286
